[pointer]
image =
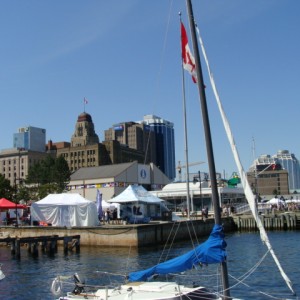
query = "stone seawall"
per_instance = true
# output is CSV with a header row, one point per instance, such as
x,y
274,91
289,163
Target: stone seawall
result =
x,y
123,235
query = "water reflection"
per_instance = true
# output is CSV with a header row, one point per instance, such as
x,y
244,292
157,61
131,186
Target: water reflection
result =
x,y
30,278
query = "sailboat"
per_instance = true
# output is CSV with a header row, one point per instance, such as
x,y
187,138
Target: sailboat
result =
x,y
140,284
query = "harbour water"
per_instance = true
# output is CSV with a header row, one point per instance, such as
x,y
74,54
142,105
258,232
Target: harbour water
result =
x,y
31,278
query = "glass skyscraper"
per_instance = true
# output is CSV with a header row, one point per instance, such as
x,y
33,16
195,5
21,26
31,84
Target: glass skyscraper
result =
x,y
289,162
165,144
30,138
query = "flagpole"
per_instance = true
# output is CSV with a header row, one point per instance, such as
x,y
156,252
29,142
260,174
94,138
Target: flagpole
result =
x,y
185,135
208,140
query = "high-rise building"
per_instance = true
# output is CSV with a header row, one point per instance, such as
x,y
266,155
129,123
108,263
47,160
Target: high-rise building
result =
x,y
30,138
267,177
165,144
134,135
269,168
289,162
85,150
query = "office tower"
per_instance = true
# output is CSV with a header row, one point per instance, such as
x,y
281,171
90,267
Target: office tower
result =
x,y
30,138
165,144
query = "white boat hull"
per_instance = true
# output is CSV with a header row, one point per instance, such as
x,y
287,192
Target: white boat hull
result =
x,y
146,291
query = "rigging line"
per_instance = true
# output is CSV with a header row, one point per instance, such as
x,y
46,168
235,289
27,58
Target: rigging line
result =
x,y
250,271
194,229
247,285
172,242
158,80
243,277
127,263
191,238
248,192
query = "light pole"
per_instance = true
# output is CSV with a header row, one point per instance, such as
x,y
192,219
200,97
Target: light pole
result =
x,y
200,185
17,187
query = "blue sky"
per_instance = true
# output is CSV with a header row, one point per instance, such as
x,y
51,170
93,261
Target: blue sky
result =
x,y
124,57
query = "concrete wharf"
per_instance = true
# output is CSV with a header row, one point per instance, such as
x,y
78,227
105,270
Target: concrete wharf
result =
x,y
120,235
137,235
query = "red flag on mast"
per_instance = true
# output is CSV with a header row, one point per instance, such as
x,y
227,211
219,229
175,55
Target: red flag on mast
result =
x,y
187,56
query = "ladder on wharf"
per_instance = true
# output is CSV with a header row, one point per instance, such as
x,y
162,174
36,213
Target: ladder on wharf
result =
x,y
48,244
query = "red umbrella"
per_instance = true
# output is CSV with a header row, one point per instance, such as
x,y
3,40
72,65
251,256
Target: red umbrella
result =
x,y
6,204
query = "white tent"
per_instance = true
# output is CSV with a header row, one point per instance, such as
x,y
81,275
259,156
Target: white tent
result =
x,y
136,193
65,210
138,205
276,201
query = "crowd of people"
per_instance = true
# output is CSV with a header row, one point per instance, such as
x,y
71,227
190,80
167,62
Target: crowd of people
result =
x,y
109,215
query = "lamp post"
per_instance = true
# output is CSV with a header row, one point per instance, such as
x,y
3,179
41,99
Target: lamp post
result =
x,y
19,181
200,185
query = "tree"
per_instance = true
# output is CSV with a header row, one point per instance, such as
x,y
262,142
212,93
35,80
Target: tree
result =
x,y
6,190
50,175
61,174
23,193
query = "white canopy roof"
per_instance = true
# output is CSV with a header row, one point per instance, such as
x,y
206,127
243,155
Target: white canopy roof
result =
x,y
136,193
276,201
65,210
63,199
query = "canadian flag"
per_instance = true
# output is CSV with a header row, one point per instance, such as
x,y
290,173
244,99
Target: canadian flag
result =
x,y
187,56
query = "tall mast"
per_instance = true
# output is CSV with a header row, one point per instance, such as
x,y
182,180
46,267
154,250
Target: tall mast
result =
x,y
208,140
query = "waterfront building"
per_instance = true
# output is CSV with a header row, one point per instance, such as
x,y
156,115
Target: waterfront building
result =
x,y
30,138
28,149
290,163
165,143
85,150
15,163
111,180
266,176
175,195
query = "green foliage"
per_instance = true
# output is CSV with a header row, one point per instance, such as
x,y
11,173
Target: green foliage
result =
x,y
62,174
50,175
6,190
23,193
46,189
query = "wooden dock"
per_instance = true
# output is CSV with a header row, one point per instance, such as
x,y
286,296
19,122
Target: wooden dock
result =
x,y
278,221
48,244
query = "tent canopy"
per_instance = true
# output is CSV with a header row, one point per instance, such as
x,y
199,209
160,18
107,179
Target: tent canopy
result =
x,y
6,204
136,193
65,210
276,201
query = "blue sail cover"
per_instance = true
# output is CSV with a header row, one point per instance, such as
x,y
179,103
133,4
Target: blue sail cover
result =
x,y
210,252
